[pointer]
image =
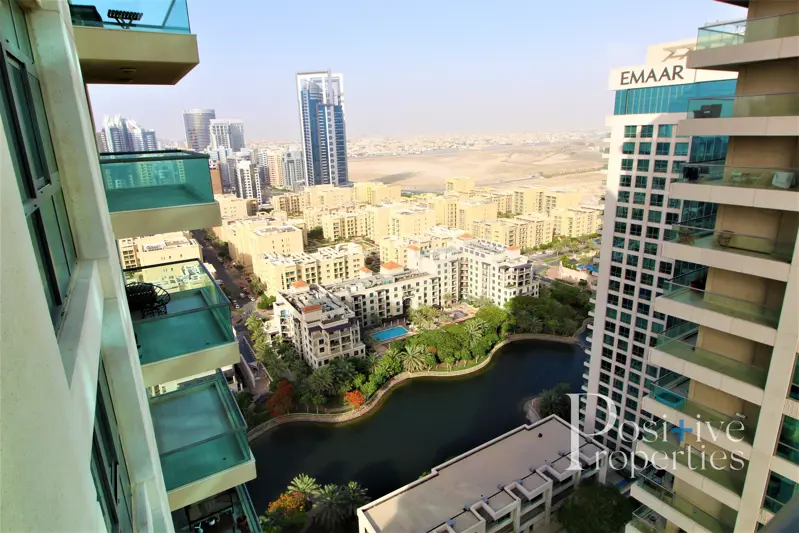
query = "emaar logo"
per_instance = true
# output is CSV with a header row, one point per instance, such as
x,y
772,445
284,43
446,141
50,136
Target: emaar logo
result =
x,y
684,443
634,77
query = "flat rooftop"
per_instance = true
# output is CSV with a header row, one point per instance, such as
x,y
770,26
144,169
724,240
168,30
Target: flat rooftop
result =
x,y
463,481
375,280
315,295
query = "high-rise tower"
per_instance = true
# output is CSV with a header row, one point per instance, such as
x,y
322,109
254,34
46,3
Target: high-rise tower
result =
x,y
324,136
197,123
227,134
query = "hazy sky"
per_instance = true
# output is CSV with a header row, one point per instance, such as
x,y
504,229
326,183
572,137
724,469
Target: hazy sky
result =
x,y
412,66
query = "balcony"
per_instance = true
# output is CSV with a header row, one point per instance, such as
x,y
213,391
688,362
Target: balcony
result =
x,y
677,509
729,45
668,399
229,511
753,115
765,188
193,334
158,192
645,520
676,350
202,441
686,298
150,43
716,247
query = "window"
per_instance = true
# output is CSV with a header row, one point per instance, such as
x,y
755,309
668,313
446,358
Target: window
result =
x,y
662,148
661,165
645,148
630,131
628,148
641,323
669,98
620,227
34,165
618,384
632,260
614,286
633,245
640,182
639,337
625,180
654,216
618,242
610,326
649,264
612,300
608,339
666,130
638,351
621,212
629,290
676,167
658,316
639,198
642,166
635,378
626,164
656,200
624,331
643,309
672,218
638,214
635,230
665,268
681,149
617,257
674,203
647,131
626,303
626,318
623,346
652,232
652,371
604,378
615,271
647,279
651,248
659,183
645,294
624,197
632,404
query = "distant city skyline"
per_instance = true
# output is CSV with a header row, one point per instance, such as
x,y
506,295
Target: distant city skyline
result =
x,y
476,68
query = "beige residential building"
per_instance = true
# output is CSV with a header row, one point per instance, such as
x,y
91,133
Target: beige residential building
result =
x,y
503,199
216,179
459,184
344,225
445,207
327,196
318,324
410,221
391,293
395,248
470,211
274,164
375,192
314,215
575,222
730,359
513,483
561,199
378,220
292,203
156,249
232,206
250,237
528,199
327,265
524,231
540,228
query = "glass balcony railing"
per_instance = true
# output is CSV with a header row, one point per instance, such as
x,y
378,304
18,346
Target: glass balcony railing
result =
x,y
733,242
680,342
685,507
745,106
167,16
230,511
689,289
150,180
671,390
177,308
788,442
199,431
719,174
646,520
748,31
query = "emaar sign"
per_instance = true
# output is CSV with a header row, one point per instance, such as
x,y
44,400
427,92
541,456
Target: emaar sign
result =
x,y
669,73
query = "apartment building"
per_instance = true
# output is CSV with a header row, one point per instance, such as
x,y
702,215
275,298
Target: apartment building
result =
x,y
318,324
375,192
528,199
344,225
394,248
472,210
459,184
646,153
327,265
216,178
729,355
232,206
524,231
252,237
503,199
561,199
411,220
391,293
496,272
84,448
445,207
447,263
291,202
513,483
573,222
328,196
155,249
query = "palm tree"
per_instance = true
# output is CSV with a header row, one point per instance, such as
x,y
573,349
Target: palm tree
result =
x,y
318,400
555,402
474,329
355,496
305,485
536,325
413,359
343,374
254,325
330,506
322,380
392,353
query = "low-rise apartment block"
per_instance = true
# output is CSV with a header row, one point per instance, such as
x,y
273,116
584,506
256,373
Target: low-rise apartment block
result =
x,y
472,210
375,192
394,248
391,293
459,184
524,231
513,483
327,196
573,222
253,237
327,265
318,324
231,206
156,249
344,225
496,272
290,202
410,221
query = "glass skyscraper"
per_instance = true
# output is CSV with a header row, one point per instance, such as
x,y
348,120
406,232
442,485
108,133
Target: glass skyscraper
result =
x,y
197,123
324,136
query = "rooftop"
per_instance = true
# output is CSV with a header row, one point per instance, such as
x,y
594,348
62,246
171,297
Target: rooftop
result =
x,y
375,280
517,456
314,299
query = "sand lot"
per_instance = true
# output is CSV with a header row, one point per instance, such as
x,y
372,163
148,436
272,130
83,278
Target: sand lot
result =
x,y
501,168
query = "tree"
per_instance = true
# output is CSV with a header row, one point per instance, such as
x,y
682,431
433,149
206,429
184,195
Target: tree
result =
x,y
555,402
305,485
354,496
595,508
318,400
255,326
282,399
316,233
322,380
449,361
343,373
265,302
474,329
331,506
447,298
413,359
288,503
425,316
355,399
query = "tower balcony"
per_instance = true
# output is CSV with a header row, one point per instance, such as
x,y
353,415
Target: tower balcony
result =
x,y
744,115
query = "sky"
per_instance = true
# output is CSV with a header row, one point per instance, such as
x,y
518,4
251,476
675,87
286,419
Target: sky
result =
x,y
412,67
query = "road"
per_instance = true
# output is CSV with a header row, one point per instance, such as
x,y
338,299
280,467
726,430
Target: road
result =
x,y
210,256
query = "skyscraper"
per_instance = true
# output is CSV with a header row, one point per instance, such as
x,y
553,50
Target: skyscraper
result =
x,y
248,180
293,168
197,123
120,134
324,136
227,134
646,153
728,361
274,164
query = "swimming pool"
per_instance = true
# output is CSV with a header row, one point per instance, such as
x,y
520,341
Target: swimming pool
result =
x,y
388,334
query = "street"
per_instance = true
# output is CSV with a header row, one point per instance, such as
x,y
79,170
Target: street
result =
x,y
210,256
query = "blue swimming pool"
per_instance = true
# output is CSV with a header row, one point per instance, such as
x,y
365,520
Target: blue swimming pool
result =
x,y
388,334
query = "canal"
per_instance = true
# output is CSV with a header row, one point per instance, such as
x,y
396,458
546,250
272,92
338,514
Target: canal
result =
x,y
419,425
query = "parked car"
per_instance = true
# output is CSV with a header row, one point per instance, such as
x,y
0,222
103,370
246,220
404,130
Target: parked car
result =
x,y
241,295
